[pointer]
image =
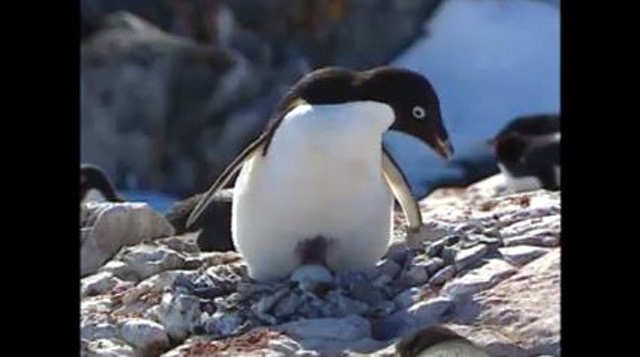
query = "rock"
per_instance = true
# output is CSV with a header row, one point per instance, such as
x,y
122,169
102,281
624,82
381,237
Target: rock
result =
x,y
383,308
179,314
521,255
449,255
309,276
421,314
433,265
98,284
344,305
184,243
266,303
367,292
108,347
414,275
426,233
139,83
147,259
443,275
388,267
146,335
466,257
257,342
521,315
114,225
287,306
119,269
95,327
407,297
343,329
223,324
486,276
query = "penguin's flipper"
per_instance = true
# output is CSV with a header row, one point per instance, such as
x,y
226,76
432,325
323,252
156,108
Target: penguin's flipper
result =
x,y
248,153
400,188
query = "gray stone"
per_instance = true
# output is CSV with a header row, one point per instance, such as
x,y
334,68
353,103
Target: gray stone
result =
x,y
490,274
384,308
266,303
114,225
414,275
108,347
541,240
93,328
443,275
520,316
223,324
422,314
433,265
179,314
382,281
449,255
309,277
148,259
97,284
407,297
119,269
467,257
523,254
287,305
345,305
367,292
145,335
388,267
345,329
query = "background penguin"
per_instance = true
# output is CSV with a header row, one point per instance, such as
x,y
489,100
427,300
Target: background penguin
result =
x,y
214,225
96,186
528,152
438,341
319,171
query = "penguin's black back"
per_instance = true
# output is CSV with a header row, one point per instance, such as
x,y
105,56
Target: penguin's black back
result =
x,y
522,159
92,177
539,124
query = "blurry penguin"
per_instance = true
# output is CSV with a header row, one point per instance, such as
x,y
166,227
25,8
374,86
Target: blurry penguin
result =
x,y
96,186
528,152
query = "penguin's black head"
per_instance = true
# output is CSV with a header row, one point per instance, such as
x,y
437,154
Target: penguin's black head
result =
x,y
93,178
510,149
410,95
511,142
531,125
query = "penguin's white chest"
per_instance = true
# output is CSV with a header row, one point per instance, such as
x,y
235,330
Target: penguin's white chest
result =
x,y
321,179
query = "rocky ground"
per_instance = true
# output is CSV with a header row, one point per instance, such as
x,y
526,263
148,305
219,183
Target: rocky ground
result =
x,y
486,265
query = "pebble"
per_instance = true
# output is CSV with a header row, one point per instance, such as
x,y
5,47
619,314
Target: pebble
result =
x,y
443,275
347,328
523,254
433,265
145,335
467,257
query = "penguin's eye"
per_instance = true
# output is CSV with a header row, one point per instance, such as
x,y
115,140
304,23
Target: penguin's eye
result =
x,y
418,112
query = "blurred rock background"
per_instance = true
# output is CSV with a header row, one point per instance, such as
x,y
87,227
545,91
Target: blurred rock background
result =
x,y
172,90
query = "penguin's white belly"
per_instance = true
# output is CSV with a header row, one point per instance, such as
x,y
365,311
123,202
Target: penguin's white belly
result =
x,y
320,178
526,183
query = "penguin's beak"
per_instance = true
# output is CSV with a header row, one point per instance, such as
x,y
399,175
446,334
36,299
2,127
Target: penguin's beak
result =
x,y
443,147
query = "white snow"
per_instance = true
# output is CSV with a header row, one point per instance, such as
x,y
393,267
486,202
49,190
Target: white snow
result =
x,y
489,61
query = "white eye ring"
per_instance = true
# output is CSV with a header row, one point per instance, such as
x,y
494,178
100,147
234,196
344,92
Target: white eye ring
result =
x,y
418,112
